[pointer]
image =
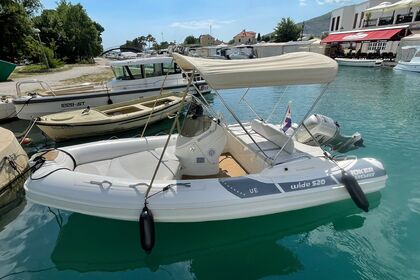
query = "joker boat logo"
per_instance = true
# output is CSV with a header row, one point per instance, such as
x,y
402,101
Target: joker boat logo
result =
x,y
358,35
363,173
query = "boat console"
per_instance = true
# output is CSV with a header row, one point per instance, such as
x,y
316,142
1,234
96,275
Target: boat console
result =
x,y
200,143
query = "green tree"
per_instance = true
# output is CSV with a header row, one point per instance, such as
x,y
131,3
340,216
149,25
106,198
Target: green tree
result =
x,y
150,39
259,37
265,38
231,42
81,36
191,40
16,27
161,46
164,45
137,43
51,27
286,30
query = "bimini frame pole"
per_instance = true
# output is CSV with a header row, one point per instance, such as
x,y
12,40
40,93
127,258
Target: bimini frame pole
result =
x,y
154,104
276,105
239,122
301,123
146,196
249,105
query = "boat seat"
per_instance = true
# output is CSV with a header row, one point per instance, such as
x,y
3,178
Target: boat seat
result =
x,y
273,134
136,166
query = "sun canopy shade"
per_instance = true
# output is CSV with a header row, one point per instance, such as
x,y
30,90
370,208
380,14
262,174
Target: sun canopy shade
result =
x,y
288,69
357,36
389,7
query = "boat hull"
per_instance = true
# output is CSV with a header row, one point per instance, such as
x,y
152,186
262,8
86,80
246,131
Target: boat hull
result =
x,y
406,66
359,62
70,131
29,107
32,107
7,110
272,191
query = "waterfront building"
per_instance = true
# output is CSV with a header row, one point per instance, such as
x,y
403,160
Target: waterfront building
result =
x,y
207,40
245,37
372,29
375,14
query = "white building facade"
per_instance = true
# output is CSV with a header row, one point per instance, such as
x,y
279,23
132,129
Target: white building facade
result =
x,y
355,17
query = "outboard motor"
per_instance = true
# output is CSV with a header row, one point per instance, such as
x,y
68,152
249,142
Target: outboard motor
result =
x,y
200,143
327,132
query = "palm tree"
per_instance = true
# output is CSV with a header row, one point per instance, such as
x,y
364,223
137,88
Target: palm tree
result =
x,y
150,39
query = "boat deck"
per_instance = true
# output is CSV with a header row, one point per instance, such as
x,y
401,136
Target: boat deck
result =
x,y
271,149
228,167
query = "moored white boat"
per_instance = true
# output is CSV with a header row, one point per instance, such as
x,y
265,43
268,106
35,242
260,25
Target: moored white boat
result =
x,y
359,62
109,179
7,108
411,62
109,118
211,170
137,78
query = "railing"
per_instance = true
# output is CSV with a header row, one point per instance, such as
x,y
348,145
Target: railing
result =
x,y
370,22
385,20
43,84
404,18
62,90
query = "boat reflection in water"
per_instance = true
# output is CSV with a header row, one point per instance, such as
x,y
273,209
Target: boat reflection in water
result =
x,y
234,247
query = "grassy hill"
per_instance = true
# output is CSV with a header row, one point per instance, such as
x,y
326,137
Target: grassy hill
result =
x,y
317,25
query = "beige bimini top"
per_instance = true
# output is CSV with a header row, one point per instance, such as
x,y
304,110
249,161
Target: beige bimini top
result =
x,y
289,69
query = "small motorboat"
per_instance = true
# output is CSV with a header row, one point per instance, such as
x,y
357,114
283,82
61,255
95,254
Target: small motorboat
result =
x,y
210,170
6,69
359,62
240,55
134,78
410,59
7,108
109,118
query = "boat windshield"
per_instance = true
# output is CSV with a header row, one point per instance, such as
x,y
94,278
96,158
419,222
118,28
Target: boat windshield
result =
x,y
407,54
134,72
196,122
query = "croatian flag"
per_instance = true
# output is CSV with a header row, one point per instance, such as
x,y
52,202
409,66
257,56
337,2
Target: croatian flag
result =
x,y
287,123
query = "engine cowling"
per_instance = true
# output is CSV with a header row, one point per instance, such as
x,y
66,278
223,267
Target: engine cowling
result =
x,y
326,131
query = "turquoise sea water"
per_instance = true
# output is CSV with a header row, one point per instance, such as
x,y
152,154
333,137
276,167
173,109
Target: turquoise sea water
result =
x,y
328,242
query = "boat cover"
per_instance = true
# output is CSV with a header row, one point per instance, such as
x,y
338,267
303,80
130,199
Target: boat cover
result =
x,y
287,69
10,147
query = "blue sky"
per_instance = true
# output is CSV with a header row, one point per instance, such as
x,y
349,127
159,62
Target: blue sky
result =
x,y
176,19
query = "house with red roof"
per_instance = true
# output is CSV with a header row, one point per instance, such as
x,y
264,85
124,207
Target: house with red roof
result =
x,y
245,37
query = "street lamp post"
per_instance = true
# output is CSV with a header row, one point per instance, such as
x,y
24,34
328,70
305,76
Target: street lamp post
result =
x,y
37,31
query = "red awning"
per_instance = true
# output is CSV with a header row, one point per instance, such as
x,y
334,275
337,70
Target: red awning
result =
x,y
358,36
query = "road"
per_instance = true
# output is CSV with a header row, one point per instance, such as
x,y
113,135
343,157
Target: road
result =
x,y
55,78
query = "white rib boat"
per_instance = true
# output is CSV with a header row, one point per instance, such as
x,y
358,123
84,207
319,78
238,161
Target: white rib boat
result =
x,y
359,62
211,170
109,118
